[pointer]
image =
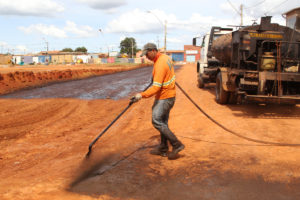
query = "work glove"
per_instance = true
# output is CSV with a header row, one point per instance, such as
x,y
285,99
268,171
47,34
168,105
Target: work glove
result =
x,y
136,98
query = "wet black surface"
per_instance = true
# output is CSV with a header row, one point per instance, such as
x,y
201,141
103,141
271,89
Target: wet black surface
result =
x,y
114,86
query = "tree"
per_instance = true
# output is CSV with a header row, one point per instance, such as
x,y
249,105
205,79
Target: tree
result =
x,y
81,49
67,50
128,45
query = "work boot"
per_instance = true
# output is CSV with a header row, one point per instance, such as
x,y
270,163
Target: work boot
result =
x,y
176,149
159,150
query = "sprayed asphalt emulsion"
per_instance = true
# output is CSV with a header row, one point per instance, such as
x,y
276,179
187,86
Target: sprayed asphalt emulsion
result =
x,y
112,86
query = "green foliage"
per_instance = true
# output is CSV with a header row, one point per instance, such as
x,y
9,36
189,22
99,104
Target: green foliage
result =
x,y
81,49
128,46
67,50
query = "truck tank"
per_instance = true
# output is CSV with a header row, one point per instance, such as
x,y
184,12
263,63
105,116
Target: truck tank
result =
x,y
259,63
250,46
221,49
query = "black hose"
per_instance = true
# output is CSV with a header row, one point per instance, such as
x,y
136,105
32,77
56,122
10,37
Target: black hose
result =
x,y
230,131
97,138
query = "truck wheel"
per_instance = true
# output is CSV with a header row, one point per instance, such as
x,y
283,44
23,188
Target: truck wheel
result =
x,y
221,94
200,82
233,98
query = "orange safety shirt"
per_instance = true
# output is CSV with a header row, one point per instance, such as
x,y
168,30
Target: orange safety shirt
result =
x,y
163,78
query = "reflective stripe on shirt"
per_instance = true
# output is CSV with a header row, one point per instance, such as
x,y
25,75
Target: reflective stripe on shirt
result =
x,y
170,64
165,83
157,84
169,82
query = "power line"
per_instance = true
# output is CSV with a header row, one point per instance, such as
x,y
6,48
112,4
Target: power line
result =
x,y
238,12
275,7
255,5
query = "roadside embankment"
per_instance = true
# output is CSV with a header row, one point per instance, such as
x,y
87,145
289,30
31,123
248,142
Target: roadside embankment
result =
x,y
21,77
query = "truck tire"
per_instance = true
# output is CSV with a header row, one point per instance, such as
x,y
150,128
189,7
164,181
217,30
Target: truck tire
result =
x,y
200,82
221,94
233,98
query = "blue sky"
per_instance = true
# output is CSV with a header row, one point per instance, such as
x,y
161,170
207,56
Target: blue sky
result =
x,y
27,25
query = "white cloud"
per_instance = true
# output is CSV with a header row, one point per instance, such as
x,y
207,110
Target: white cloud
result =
x,y
111,11
48,30
79,31
104,4
14,49
21,48
174,40
4,47
30,7
3,44
198,23
70,28
139,21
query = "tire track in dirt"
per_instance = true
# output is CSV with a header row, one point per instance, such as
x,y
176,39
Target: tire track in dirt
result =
x,y
25,118
31,114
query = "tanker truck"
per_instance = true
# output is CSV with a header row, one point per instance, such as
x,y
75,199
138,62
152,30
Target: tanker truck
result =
x,y
207,65
258,63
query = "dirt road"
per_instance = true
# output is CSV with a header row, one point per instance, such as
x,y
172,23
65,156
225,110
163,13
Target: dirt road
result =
x,y
43,143
23,77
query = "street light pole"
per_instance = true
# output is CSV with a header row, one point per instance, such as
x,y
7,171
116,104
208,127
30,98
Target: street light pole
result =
x,y
165,29
100,30
165,36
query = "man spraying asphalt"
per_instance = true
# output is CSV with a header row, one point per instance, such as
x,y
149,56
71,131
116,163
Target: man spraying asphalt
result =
x,y
163,87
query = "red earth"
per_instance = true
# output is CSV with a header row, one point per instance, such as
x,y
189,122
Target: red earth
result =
x,y
44,142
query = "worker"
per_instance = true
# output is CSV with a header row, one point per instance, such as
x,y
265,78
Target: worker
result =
x,y
163,87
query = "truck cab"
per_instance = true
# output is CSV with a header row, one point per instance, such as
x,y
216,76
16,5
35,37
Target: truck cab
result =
x,y
207,65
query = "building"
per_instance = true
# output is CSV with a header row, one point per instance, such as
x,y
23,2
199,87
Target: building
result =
x,y
5,59
176,55
59,57
191,53
18,59
293,18
113,54
138,54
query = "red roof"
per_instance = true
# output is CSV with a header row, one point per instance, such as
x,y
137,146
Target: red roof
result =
x,y
175,51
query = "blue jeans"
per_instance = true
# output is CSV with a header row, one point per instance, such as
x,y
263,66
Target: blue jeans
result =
x,y
160,116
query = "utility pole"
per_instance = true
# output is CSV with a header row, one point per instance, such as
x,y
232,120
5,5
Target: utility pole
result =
x,y
157,42
165,36
47,45
165,29
131,39
100,30
241,13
